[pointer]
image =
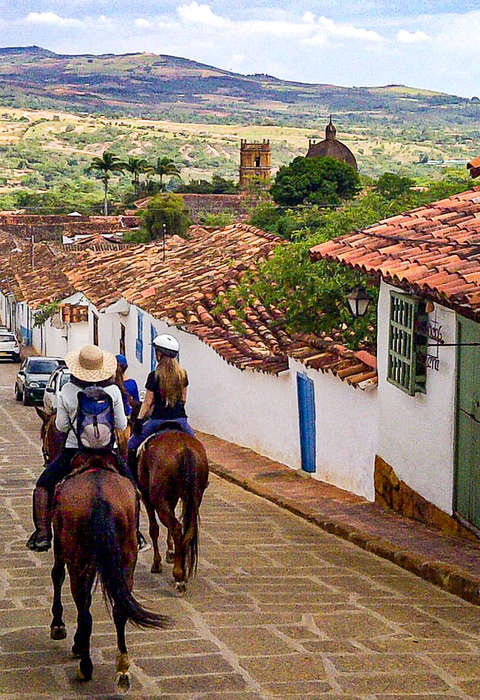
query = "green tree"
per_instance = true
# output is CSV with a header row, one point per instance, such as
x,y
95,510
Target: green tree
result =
x,y
137,166
105,165
166,166
314,181
165,213
391,186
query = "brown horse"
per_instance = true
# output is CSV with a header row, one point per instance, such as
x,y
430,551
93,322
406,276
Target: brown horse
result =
x,y
53,440
95,536
173,466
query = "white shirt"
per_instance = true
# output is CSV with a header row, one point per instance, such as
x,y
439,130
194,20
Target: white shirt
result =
x,y
67,410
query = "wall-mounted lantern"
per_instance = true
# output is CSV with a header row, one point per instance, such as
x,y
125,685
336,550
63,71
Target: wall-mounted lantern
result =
x,y
358,301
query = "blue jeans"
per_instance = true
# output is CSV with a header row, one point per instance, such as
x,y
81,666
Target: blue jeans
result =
x,y
152,425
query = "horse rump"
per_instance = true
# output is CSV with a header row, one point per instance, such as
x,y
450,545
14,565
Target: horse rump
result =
x,y
192,495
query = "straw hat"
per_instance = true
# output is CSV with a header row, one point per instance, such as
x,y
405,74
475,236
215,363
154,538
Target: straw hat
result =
x,y
91,364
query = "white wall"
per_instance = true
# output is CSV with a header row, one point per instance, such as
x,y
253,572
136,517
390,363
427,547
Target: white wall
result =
x,y
346,432
416,433
260,411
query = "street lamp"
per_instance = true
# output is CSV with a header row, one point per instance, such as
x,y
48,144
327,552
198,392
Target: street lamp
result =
x,y
358,301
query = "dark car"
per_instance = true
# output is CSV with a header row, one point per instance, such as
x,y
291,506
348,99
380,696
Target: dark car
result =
x,y
33,376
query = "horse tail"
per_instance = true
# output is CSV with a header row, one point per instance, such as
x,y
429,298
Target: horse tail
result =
x,y
190,514
107,557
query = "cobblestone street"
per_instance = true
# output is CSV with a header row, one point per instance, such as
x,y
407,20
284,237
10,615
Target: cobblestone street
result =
x,y
279,608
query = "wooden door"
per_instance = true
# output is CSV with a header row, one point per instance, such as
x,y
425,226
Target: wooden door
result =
x,y
467,452
306,419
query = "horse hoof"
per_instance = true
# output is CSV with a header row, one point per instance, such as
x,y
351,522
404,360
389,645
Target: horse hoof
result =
x,y
180,587
123,682
156,569
170,557
85,670
58,632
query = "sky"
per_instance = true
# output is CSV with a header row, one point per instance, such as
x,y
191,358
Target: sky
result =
x,y
429,44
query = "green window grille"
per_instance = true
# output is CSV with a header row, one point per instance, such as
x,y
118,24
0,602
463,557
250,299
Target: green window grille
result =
x,y
407,345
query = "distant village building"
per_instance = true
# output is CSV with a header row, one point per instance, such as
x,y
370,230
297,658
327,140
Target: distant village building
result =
x,y
330,147
255,162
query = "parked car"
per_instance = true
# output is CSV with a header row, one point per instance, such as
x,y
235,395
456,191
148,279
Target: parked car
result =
x,y
33,376
9,346
58,378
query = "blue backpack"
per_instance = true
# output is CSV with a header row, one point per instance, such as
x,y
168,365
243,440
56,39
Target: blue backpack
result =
x,y
95,419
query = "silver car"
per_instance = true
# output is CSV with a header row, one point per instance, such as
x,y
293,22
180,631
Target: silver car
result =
x,y
57,379
9,347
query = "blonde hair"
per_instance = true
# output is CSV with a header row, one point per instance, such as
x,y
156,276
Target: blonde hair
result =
x,y
171,380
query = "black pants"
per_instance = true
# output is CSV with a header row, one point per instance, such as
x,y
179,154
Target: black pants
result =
x,y
61,467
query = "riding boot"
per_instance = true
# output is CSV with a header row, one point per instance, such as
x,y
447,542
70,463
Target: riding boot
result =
x,y
40,539
132,463
143,545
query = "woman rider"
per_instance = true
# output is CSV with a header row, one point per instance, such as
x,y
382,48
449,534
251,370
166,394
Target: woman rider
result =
x,y
127,386
166,392
88,366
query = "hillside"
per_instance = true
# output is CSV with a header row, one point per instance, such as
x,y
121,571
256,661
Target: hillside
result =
x,y
150,85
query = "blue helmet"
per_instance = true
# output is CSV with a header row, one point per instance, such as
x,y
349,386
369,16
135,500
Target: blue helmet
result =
x,y
122,361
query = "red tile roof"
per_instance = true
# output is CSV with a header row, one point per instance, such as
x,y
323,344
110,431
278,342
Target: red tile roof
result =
x,y
184,290
433,251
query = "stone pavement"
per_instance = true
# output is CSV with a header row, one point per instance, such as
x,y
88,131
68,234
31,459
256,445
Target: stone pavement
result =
x,y
279,608
452,563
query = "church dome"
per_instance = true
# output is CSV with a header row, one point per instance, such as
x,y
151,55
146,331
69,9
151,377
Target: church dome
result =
x,y
331,148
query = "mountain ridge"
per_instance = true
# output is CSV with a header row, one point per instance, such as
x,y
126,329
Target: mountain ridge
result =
x,y
142,84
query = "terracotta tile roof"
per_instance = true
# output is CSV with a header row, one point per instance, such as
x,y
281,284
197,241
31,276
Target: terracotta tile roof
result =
x,y
433,251
45,227
183,290
40,284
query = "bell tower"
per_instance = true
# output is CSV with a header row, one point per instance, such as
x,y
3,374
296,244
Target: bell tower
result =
x,y
255,162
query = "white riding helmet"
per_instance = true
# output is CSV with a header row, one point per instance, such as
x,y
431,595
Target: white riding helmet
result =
x,y
167,344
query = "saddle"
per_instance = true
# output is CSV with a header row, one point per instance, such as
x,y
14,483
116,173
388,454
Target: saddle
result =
x,y
166,426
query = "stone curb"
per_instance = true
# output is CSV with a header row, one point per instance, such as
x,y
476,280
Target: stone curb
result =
x,y
449,577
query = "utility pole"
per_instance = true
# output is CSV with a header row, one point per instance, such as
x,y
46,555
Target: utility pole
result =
x,y
164,232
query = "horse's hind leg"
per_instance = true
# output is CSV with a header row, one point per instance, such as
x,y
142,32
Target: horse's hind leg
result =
x,y
122,677
154,532
170,556
57,627
82,595
167,518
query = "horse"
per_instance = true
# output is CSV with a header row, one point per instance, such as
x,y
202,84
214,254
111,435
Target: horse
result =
x,y
53,440
95,537
173,466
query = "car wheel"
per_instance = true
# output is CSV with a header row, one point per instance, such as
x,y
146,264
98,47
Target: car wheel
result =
x,y
18,394
26,398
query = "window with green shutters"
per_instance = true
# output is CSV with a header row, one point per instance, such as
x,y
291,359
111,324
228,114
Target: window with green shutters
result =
x,y
406,345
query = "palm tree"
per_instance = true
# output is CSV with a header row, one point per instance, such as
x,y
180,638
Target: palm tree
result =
x,y
136,166
104,165
166,166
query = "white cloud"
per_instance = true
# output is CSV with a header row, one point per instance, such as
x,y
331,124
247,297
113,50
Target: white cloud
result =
x,y
200,14
142,23
406,37
51,19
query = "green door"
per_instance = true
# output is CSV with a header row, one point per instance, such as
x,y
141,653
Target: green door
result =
x,y
467,480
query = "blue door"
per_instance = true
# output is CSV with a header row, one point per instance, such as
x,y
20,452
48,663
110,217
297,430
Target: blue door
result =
x,y
153,359
306,418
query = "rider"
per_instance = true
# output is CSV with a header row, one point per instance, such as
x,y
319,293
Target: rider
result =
x,y
88,366
128,387
166,392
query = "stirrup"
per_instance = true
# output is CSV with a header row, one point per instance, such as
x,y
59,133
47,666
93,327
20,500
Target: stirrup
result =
x,y
38,543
